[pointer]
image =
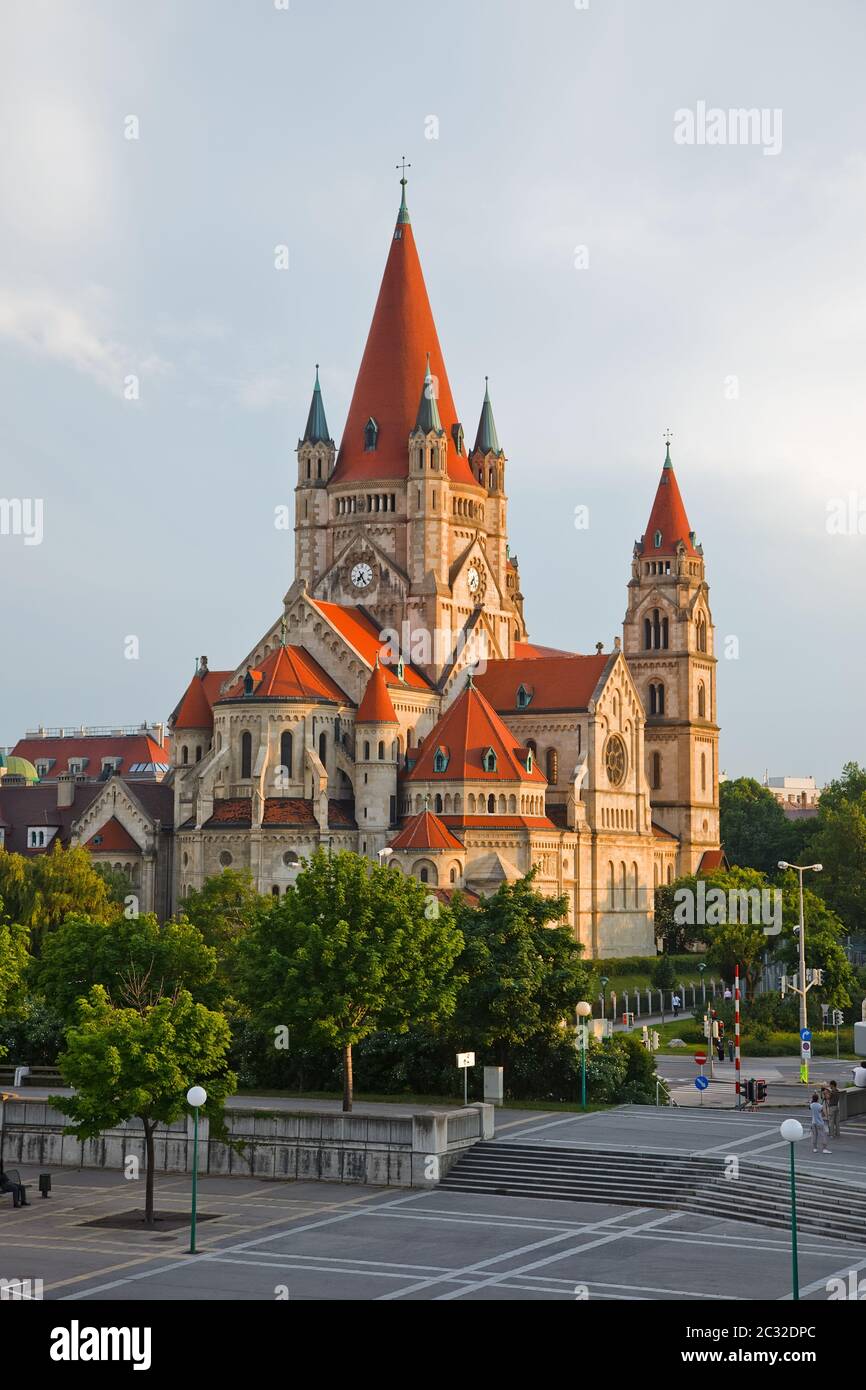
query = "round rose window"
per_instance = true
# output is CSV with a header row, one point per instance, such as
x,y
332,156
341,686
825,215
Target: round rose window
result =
x,y
615,760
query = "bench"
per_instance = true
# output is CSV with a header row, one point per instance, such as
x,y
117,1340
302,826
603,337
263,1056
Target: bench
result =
x,y
8,1181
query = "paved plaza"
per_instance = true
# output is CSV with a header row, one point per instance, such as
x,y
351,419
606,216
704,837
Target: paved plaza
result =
x,y
271,1240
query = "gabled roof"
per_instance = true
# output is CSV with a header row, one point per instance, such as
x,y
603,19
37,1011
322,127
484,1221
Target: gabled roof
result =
x,y
426,831
195,709
401,334
556,682
362,634
376,707
668,517
712,859
468,729
111,837
662,834
289,673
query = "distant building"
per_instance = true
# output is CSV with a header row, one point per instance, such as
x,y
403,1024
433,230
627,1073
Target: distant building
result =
x,y
798,796
138,753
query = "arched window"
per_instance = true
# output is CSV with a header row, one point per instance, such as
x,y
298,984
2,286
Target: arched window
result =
x,y
366,750
437,804
656,773
647,633
552,766
701,633
286,752
424,875
488,761
656,698
198,753
622,883
703,772
657,540
665,626
275,891
246,755
371,435
470,803
702,700
184,754
610,884
323,748
634,885
491,804
452,874
381,751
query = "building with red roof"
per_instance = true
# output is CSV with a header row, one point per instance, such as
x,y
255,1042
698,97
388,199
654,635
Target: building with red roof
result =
x,y
396,705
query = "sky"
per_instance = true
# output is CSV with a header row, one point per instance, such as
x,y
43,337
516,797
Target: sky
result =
x,y
619,260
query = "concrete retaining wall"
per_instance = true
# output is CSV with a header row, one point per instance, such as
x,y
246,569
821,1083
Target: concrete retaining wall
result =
x,y
307,1145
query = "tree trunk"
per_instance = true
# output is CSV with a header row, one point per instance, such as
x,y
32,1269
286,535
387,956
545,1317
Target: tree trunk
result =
x,y
347,1077
148,1177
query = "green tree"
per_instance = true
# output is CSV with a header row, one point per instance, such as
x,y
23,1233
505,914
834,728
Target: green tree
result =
x,y
141,1062
13,963
224,909
41,892
840,845
352,949
754,829
135,959
824,949
523,975
676,935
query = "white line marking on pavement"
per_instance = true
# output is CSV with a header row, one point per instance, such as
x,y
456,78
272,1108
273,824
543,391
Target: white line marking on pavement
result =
x,y
822,1283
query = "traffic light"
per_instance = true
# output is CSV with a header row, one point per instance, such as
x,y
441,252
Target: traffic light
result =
x,y
751,1090
656,1041
761,1093
817,977
837,1018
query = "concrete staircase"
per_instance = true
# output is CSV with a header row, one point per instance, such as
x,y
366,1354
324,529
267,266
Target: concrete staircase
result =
x,y
682,1182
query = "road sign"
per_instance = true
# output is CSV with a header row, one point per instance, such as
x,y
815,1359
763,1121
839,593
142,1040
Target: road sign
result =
x,y
581,1035
700,1058
701,1082
806,1034
466,1059
805,1049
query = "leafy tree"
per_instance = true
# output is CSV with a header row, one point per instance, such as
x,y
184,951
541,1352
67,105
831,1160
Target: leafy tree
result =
x,y
43,891
676,936
224,909
524,976
663,975
350,950
755,831
119,884
824,949
840,845
13,963
141,1062
135,959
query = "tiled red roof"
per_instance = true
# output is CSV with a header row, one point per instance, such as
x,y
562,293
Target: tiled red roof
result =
x,y
553,682
195,708
376,707
425,831
504,822
467,729
530,651
712,859
111,837
446,894
289,673
391,375
134,750
236,813
668,516
362,634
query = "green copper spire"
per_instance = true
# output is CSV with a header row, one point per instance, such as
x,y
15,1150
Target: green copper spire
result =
x,y
487,440
428,407
403,214
667,462
317,426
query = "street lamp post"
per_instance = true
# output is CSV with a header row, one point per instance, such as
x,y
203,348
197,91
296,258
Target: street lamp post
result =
x,y
800,871
583,1012
196,1097
604,982
792,1131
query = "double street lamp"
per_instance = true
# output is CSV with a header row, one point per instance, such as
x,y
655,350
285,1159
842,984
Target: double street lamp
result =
x,y
800,870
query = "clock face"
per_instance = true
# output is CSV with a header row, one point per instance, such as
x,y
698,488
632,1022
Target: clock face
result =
x,y
473,579
361,575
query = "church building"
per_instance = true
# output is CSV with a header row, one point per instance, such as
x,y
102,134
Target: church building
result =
x,y
396,705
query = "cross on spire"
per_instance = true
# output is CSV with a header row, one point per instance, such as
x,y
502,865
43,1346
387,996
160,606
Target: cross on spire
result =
x,y
404,166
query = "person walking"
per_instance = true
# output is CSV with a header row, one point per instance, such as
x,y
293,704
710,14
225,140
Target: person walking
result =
x,y
819,1124
832,1097
675,1005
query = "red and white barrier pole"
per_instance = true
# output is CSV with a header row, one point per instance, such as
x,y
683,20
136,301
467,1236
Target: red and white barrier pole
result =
x,y
737,1031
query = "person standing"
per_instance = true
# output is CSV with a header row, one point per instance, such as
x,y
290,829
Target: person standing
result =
x,y
730,1049
832,1096
819,1124
675,1005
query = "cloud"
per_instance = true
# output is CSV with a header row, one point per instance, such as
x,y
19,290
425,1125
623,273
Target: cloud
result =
x,y
51,326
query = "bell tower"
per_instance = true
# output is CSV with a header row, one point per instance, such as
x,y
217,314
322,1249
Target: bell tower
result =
x,y
669,643
316,456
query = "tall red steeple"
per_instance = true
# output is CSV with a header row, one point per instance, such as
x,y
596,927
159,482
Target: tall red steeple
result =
x,y
386,391
668,523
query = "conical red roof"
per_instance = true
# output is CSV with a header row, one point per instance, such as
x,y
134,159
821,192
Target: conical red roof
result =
x,y
391,375
375,706
466,731
668,516
290,673
194,710
426,831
